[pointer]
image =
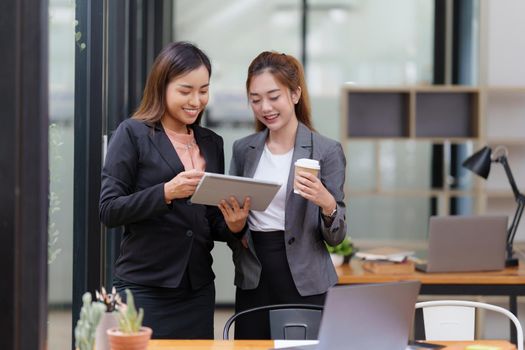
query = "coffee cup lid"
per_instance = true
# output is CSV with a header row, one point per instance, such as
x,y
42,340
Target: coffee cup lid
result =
x,y
308,163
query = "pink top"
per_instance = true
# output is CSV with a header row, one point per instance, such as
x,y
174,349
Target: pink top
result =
x,y
187,149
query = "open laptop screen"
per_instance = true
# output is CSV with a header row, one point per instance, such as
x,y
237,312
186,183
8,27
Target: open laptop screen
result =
x,y
367,316
466,243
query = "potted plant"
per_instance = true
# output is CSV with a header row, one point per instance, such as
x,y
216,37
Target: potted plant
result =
x,y
109,317
342,252
90,315
129,334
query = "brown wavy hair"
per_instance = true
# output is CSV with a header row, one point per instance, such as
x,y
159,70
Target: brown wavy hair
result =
x,y
175,60
289,72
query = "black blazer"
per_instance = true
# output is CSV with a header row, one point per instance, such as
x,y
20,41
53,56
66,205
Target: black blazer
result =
x,y
160,241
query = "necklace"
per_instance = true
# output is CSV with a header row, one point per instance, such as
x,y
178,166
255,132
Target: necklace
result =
x,y
185,146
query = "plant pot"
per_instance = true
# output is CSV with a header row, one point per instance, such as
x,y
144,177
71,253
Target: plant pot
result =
x,y
108,320
349,257
131,341
337,259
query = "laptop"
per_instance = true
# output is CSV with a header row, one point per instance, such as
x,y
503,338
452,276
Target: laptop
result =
x,y
466,244
367,316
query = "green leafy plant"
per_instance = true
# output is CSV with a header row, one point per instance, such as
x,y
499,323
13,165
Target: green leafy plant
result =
x,y
345,248
130,321
85,329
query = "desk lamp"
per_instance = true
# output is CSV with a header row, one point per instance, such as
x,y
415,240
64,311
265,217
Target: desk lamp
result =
x,y
479,163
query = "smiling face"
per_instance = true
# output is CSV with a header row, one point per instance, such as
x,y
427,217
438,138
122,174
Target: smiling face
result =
x,y
272,102
186,97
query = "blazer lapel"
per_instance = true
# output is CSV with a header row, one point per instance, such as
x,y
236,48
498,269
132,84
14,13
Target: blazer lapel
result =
x,y
253,153
163,144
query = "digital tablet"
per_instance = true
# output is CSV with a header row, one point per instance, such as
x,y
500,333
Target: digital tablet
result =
x,y
215,187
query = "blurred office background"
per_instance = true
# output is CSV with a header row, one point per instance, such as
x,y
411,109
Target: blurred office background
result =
x,y
364,42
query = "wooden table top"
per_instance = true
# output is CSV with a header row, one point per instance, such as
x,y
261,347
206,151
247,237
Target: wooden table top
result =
x,y
354,273
163,344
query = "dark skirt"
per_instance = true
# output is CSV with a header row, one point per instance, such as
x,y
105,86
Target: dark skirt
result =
x,y
174,313
276,286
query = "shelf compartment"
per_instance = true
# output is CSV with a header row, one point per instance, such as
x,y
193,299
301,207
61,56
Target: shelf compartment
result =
x,y
447,114
378,114
405,165
361,165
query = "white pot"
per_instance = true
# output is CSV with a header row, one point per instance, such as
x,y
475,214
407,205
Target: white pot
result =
x,y
337,259
108,320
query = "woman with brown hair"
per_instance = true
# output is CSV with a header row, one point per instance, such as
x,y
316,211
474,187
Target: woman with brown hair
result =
x,y
282,256
154,162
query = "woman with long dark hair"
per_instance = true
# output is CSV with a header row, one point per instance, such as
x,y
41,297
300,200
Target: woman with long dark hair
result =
x,y
154,162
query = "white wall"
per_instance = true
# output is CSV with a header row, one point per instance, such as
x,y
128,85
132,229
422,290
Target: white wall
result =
x,y
505,43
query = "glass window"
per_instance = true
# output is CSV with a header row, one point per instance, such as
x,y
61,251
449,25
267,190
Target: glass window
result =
x,y
389,219
232,33
61,147
372,42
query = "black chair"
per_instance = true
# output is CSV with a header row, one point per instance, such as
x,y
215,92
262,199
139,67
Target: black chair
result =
x,y
287,321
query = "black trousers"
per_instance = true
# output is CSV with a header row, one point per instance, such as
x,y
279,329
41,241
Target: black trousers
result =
x,y
276,286
174,313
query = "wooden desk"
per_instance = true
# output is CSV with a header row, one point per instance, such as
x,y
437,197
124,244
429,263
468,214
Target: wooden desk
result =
x,y
268,344
509,282
165,344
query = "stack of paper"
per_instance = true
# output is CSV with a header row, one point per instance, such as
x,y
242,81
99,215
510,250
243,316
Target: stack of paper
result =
x,y
385,253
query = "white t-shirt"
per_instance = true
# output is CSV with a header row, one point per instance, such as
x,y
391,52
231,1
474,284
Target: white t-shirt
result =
x,y
272,167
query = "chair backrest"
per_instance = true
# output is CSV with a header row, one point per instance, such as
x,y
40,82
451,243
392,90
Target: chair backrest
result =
x,y
295,323
287,321
455,319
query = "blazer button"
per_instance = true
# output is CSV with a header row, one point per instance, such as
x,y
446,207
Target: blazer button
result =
x,y
189,233
291,240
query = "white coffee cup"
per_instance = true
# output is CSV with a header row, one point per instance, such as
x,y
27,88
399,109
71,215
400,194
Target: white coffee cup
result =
x,y
308,165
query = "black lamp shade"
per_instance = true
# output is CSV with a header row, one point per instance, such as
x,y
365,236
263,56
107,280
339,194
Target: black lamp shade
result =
x,y
479,162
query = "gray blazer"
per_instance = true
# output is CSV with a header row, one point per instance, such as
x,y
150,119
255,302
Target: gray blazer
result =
x,y
305,232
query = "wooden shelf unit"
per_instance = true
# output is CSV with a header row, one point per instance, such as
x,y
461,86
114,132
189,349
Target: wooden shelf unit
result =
x,y
415,118
434,113
398,117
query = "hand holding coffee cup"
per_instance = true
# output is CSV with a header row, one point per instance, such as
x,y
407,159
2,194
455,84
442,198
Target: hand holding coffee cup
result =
x,y
307,165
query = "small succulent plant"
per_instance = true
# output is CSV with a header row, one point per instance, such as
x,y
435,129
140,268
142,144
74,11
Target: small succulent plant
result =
x,y
85,330
130,321
111,301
